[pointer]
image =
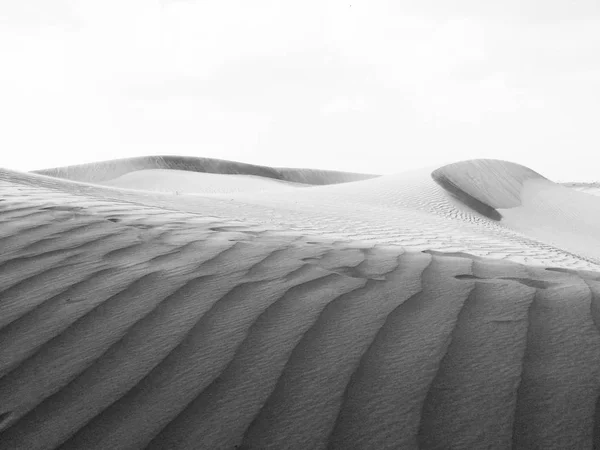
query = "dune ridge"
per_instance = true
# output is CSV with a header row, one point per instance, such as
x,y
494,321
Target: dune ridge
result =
x,y
495,183
485,185
382,313
107,170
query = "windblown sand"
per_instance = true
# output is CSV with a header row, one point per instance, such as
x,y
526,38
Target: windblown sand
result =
x,y
171,303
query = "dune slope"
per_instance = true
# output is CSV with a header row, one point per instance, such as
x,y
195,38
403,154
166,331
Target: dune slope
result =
x,y
529,203
383,313
107,170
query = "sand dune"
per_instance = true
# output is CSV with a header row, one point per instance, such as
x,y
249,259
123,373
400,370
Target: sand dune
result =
x,y
109,170
588,188
188,182
259,308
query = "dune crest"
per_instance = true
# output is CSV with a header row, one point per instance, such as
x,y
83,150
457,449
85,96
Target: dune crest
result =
x,y
525,201
485,185
102,171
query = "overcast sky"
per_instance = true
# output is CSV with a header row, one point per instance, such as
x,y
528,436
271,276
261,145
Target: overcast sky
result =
x,y
358,85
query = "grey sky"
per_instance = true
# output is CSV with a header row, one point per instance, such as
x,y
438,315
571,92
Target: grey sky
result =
x,y
374,86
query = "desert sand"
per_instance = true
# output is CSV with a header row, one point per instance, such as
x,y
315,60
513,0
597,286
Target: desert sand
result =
x,y
590,188
190,303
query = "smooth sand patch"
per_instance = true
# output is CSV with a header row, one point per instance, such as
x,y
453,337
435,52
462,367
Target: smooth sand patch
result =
x,y
187,182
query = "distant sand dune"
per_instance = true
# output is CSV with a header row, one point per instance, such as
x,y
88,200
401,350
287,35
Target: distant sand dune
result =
x,y
588,188
454,307
189,182
108,170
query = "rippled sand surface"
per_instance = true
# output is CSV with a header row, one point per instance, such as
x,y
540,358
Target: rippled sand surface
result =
x,y
170,303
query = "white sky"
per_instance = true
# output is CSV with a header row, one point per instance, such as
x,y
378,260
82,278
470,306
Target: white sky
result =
x,y
358,85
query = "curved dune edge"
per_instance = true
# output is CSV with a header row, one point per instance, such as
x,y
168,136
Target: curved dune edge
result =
x,y
108,170
133,320
525,201
183,182
485,184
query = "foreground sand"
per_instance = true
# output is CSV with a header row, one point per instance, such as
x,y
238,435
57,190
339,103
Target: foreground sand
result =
x,y
453,307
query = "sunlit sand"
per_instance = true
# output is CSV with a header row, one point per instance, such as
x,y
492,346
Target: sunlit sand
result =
x,y
169,303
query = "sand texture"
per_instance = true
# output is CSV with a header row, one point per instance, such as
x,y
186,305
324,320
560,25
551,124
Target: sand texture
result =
x,y
188,303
